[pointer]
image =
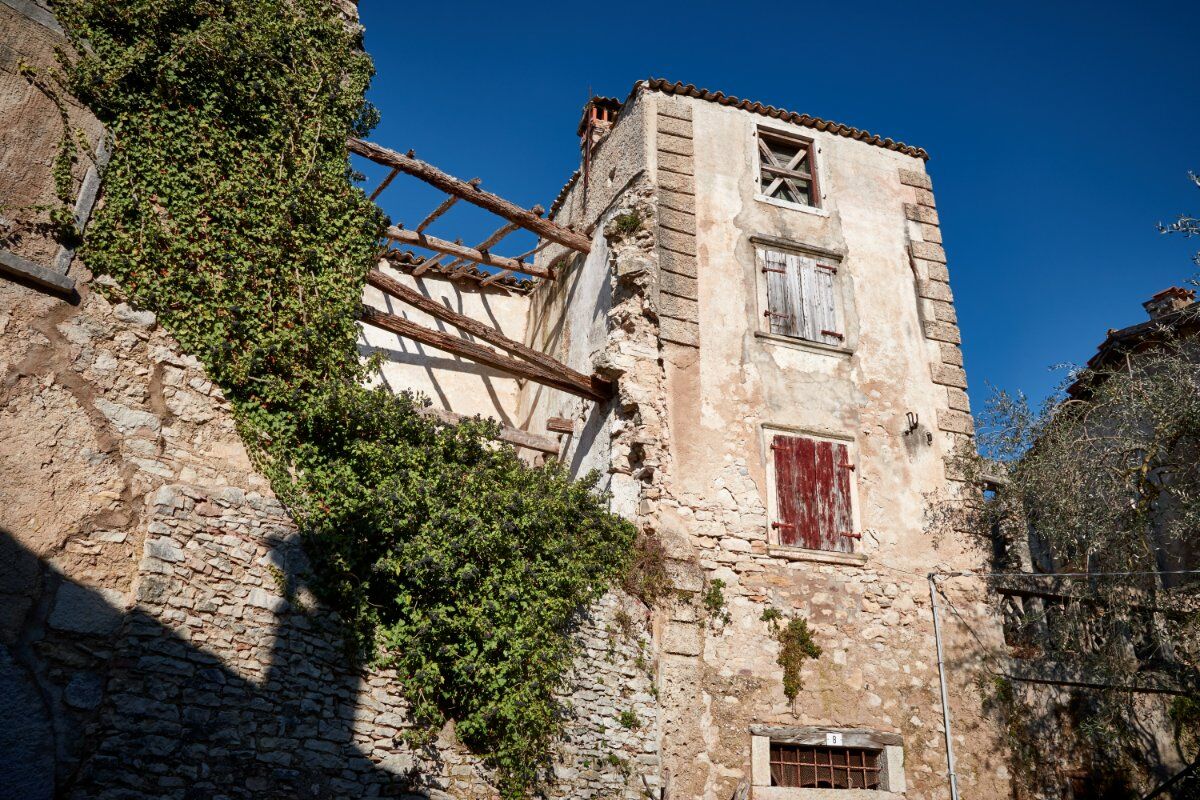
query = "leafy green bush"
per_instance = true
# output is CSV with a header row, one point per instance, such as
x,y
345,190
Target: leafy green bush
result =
x,y
230,211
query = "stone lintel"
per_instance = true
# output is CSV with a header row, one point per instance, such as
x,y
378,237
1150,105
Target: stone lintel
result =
x,y
814,736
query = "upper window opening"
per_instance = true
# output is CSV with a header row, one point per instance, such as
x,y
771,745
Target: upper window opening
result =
x,y
787,169
825,767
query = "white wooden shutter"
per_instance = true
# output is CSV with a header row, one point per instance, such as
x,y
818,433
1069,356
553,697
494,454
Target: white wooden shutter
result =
x,y
828,330
800,297
781,306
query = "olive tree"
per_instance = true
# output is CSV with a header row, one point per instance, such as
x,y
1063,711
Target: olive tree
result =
x,y
1097,492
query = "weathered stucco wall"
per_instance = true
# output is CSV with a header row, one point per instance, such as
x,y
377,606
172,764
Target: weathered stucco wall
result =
x,y
450,382
724,393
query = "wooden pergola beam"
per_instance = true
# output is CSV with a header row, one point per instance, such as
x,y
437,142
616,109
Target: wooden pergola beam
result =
x,y
443,208
495,276
497,235
476,352
391,176
389,285
472,194
462,251
508,433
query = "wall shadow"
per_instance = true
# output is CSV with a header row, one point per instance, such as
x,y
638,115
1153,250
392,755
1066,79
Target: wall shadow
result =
x,y
101,702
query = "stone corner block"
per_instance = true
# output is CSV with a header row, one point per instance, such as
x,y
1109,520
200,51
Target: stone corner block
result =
x,y
942,332
951,354
679,331
682,639
928,251
956,422
920,213
958,400
911,177
935,290
949,376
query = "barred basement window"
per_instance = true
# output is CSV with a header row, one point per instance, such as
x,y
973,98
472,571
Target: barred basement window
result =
x,y
801,296
787,168
825,767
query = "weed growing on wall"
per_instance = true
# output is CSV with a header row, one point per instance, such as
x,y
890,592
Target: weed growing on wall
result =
x,y
797,646
229,210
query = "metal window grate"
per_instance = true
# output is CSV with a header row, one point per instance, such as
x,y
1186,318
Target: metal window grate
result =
x,y
824,767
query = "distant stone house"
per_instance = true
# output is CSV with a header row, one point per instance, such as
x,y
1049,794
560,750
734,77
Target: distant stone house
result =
x,y
767,296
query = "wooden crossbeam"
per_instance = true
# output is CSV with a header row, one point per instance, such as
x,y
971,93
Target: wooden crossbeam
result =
x,y
463,252
475,352
443,208
472,194
495,276
497,235
592,384
391,176
508,433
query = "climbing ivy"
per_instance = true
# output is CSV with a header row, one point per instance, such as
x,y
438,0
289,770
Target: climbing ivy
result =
x,y
229,210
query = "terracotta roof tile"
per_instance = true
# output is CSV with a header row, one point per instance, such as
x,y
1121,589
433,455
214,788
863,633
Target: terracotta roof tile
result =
x,y
691,90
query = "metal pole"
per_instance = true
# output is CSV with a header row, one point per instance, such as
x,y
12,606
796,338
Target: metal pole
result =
x,y
937,638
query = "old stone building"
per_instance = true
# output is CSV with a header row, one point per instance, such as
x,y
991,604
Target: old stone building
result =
x,y
769,294
766,294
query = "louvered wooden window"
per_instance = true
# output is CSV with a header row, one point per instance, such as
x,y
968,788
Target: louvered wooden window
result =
x,y
812,494
787,169
801,301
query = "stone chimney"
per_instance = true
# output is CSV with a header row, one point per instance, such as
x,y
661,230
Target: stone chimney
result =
x,y
599,116
1169,300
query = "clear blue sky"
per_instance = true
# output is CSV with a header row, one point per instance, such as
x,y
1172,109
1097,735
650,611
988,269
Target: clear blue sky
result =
x,y
1059,133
